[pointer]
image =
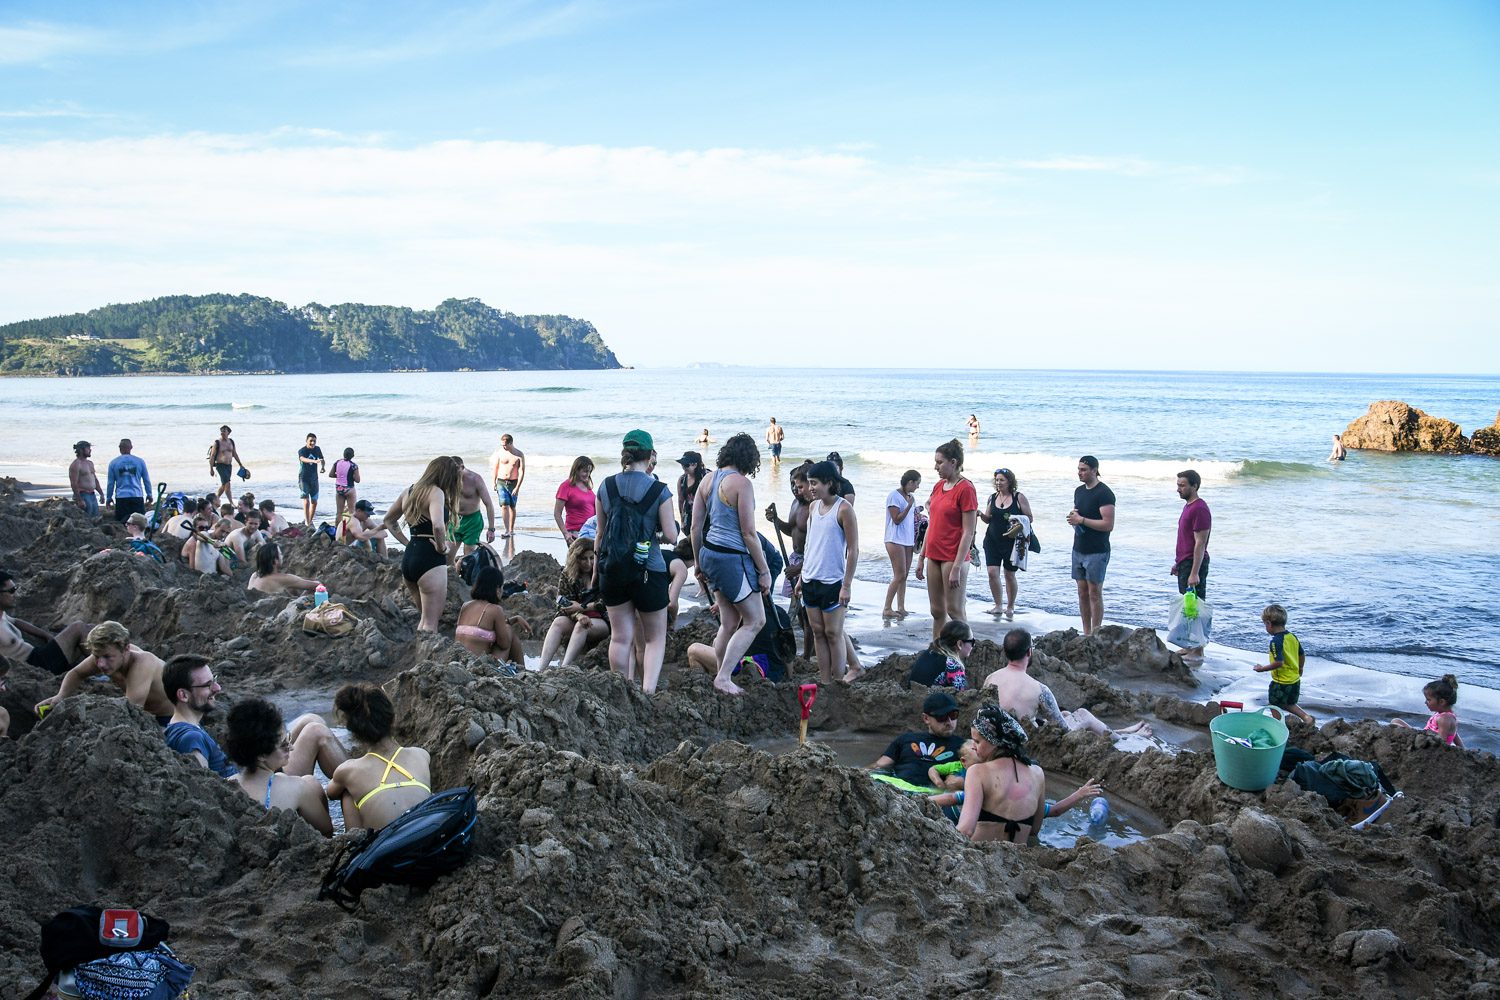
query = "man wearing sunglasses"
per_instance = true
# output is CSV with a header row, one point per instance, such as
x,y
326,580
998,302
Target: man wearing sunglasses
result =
x,y
24,642
912,754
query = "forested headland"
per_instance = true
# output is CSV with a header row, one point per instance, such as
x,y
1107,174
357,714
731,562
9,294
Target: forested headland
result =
x,y
203,334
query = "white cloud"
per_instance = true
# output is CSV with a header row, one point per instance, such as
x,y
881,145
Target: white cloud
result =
x,y
40,42
717,254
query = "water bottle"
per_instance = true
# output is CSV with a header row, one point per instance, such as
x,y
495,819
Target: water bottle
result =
x,y
642,552
320,596
1098,812
1190,603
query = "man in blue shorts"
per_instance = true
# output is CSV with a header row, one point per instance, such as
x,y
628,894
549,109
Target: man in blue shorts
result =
x,y
507,472
1092,518
774,434
310,465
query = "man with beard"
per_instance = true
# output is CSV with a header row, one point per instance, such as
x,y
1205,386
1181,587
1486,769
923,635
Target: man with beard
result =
x,y
192,686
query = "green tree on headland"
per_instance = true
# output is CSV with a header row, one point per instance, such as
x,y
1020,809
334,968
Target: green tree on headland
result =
x,y
247,333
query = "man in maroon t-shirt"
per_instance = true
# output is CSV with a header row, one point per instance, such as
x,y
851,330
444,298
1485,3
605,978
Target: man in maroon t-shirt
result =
x,y
1191,563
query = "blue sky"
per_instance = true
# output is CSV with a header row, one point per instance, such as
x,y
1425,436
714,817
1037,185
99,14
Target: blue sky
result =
x,y
1091,185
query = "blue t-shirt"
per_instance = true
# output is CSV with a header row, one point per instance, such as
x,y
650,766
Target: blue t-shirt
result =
x,y
128,478
184,737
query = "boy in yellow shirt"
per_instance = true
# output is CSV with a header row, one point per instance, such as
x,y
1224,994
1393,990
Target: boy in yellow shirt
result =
x,y
1286,664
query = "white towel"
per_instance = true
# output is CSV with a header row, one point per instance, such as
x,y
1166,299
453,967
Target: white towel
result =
x,y
1022,546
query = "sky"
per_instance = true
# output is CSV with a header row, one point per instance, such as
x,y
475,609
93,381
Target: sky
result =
x,y
1003,184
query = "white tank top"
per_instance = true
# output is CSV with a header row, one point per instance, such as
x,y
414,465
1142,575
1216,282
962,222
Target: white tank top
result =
x,y
823,556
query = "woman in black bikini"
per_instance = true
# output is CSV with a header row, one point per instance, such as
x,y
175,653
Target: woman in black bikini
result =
x,y
424,566
1005,793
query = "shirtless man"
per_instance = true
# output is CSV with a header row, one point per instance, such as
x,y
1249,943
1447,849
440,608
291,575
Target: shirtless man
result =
x,y
245,537
134,671
507,473
359,528
774,434
222,458
88,492
54,653
472,492
1025,697
271,522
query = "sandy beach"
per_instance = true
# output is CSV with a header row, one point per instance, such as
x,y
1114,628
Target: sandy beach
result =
x,y
634,846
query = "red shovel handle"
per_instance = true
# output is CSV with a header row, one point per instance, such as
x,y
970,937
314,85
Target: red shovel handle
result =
x,y
806,695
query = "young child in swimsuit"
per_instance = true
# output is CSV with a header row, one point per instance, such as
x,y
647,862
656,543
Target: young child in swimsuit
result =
x,y
1442,695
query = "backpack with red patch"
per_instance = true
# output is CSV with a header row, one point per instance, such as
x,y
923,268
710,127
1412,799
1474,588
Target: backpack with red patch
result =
x,y
111,953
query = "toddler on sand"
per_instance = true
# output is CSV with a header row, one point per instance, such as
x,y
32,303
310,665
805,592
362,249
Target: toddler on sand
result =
x,y
1286,664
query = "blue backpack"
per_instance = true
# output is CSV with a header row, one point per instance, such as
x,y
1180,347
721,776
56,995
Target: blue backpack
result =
x,y
428,841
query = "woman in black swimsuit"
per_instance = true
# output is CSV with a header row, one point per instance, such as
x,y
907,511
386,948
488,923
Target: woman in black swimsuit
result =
x,y
1005,793
424,506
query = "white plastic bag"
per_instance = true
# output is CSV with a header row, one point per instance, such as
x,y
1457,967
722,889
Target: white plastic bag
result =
x,y
1188,632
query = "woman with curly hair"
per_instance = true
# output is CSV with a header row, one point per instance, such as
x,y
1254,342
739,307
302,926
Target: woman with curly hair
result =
x,y
952,513
424,506
726,549
580,612
1005,793
262,748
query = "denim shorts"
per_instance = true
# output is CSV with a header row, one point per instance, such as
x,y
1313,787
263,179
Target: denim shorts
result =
x,y
1090,566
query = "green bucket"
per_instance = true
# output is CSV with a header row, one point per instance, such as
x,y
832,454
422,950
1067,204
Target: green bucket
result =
x,y
1250,769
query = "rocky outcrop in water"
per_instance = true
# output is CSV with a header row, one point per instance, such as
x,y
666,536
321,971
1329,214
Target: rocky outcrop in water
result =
x,y
1391,425
1486,440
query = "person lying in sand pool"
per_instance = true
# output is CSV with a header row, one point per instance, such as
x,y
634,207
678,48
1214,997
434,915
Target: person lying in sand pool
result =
x,y
952,775
24,642
360,528
483,626
389,779
204,551
1005,792
270,576
262,748
134,671
243,538
910,755
1025,697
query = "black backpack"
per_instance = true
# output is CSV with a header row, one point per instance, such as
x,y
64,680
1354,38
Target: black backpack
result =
x,y
470,565
428,841
627,530
86,933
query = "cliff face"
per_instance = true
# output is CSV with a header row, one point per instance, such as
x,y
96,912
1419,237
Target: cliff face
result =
x,y
245,333
1391,425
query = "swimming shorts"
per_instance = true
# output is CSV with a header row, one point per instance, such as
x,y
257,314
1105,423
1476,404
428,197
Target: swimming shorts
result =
x,y
308,491
90,503
729,573
1090,566
223,469
509,491
1186,567
125,506
343,491
998,552
776,450
420,556
1284,695
50,657
821,596
648,594
470,527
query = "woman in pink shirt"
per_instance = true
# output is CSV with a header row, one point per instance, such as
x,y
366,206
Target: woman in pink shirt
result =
x,y
575,499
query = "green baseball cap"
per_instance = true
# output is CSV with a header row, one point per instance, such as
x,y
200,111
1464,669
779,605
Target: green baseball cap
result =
x,y
639,439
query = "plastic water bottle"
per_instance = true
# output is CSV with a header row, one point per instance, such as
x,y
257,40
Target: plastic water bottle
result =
x,y
1190,603
1098,812
320,596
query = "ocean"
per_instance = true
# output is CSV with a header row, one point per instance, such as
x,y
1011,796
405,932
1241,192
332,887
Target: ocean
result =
x,y
1384,562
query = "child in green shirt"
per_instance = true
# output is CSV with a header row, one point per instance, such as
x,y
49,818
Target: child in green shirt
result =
x,y
1286,664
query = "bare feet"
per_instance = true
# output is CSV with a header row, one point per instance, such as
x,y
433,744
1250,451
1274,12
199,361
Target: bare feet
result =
x,y
852,674
1010,613
727,687
888,615
994,609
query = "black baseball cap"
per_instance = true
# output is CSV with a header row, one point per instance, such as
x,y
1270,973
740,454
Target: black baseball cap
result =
x,y
939,704
690,458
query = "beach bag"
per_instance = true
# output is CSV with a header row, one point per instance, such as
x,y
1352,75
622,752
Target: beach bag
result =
x,y
133,975
428,841
1189,632
628,536
469,566
332,619
784,643
81,937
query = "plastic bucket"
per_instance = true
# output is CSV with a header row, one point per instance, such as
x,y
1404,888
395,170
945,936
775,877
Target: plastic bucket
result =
x,y
1250,769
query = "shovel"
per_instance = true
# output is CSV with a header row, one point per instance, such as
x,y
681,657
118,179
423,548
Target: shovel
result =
x,y
161,491
806,695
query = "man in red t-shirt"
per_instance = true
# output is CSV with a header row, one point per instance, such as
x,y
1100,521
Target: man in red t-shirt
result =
x,y
1193,525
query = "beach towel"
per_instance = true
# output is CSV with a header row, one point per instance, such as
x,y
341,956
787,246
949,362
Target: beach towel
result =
x,y
1020,528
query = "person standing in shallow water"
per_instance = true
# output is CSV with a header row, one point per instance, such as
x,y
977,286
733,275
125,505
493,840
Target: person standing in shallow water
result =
x,y
310,465
952,512
507,473
774,435
1092,518
999,546
1193,527
222,457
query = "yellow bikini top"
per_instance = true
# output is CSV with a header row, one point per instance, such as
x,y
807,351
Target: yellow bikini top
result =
x,y
385,785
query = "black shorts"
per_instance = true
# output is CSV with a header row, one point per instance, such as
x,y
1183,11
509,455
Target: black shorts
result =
x,y
1185,567
997,552
821,596
50,657
223,469
648,594
125,506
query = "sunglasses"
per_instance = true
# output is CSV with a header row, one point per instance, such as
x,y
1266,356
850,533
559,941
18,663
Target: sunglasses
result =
x,y
1002,472
946,717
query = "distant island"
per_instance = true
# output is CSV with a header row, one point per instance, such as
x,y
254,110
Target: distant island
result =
x,y
223,334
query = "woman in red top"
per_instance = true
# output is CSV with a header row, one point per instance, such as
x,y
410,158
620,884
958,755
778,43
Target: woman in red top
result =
x,y
952,511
